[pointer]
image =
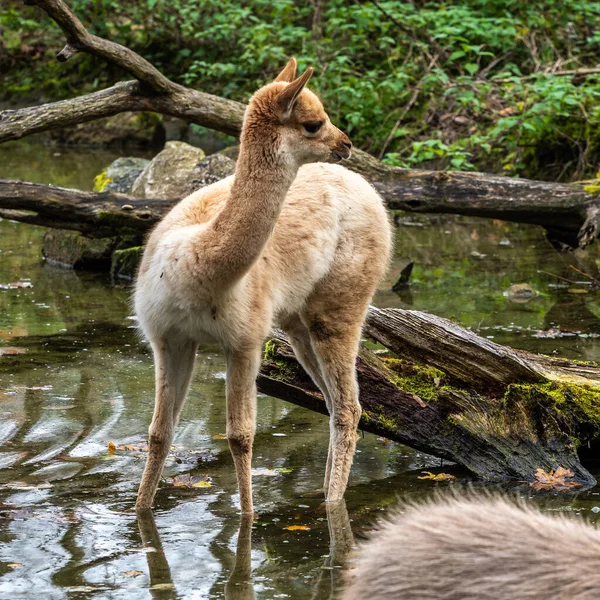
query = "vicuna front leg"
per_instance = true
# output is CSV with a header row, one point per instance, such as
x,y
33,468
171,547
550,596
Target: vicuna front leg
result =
x,y
242,369
173,363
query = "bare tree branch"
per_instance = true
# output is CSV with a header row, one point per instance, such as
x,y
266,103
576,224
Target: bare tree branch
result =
x,y
80,40
196,107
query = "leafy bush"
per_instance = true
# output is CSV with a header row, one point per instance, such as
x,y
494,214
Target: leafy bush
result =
x,y
458,85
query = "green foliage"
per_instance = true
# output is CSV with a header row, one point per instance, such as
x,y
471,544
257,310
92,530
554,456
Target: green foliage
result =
x,y
455,85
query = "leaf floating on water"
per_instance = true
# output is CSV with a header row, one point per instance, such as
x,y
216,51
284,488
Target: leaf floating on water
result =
x,y
132,448
111,448
554,480
219,436
190,481
298,528
163,586
133,573
24,486
11,351
16,285
261,472
438,477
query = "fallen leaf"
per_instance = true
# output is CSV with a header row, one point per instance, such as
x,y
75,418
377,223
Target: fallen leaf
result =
x,y
190,481
219,436
132,448
298,528
12,351
261,472
24,486
16,285
133,573
111,448
554,480
163,586
577,291
14,565
438,477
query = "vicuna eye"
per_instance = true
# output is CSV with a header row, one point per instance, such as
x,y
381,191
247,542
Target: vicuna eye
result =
x,y
313,126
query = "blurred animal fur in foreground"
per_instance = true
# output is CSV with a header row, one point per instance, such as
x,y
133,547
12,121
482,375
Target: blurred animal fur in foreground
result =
x,y
478,547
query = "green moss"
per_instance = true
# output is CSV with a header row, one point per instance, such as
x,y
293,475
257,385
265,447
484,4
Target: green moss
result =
x,y
125,262
575,406
592,188
101,181
270,350
423,381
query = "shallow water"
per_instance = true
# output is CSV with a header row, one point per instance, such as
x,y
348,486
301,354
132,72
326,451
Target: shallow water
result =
x,y
74,377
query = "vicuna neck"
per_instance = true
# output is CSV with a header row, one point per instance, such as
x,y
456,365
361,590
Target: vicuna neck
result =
x,y
263,177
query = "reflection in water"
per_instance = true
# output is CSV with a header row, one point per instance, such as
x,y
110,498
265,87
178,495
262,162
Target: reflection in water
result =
x,y
74,376
161,582
239,584
341,543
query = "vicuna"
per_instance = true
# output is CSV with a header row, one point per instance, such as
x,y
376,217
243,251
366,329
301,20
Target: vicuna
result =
x,y
281,242
484,548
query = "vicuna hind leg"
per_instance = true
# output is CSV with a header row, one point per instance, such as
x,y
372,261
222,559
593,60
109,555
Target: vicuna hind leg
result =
x,y
242,369
300,340
335,343
174,363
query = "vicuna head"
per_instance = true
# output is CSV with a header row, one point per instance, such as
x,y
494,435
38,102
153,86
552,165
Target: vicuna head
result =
x,y
291,122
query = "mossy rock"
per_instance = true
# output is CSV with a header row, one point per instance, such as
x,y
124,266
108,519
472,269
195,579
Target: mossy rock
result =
x,y
72,250
120,175
125,262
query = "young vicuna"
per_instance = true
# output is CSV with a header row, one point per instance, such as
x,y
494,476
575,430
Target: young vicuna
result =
x,y
300,246
478,548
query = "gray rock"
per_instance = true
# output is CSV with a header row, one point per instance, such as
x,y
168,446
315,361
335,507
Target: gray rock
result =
x,y
70,249
167,176
179,170
520,293
121,174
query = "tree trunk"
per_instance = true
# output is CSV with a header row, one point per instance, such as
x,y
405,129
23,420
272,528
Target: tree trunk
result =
x,y
499,412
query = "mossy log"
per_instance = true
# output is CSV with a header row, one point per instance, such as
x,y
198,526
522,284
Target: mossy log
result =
x,y
499,412
569,213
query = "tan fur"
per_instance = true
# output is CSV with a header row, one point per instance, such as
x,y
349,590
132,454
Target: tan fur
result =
x,y
478,548
281,242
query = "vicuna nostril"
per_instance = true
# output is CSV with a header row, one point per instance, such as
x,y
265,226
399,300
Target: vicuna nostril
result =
x,y
347,144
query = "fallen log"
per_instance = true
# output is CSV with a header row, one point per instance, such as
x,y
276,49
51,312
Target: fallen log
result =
x,y
97,215
569,213
501,413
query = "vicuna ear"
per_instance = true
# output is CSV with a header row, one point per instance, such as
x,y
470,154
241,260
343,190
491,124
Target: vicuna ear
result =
x,y
289,72
288,96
